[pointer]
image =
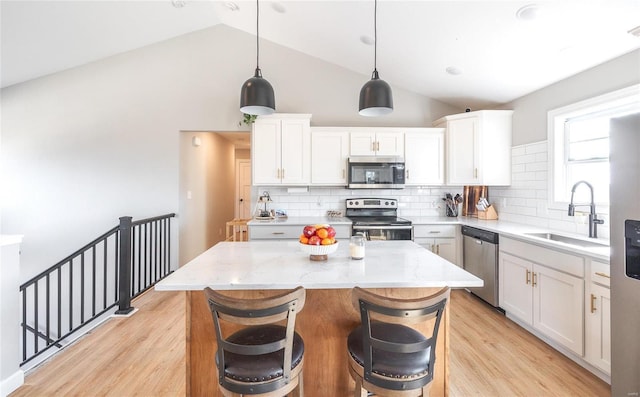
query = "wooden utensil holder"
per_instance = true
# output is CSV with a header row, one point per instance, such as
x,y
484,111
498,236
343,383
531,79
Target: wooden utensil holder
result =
x,y
489,214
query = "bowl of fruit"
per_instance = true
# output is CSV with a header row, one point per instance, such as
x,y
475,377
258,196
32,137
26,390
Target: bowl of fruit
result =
x,y
318,241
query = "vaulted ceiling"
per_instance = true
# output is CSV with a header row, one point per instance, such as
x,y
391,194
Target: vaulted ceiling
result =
x,y
467,53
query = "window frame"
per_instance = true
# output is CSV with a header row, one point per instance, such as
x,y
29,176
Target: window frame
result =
x,y
557,139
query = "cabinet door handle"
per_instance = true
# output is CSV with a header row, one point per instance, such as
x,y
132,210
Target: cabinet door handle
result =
x,y
593,303
534,279
438,249
528,276
373,146
278,172
475,172
602,274
407,174
377,146
433,248
344,174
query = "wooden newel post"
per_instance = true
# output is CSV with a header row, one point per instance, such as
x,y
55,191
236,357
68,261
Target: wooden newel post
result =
x,y
124,267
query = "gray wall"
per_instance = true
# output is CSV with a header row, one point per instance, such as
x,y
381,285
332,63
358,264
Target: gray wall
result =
x,y
82,147
530,111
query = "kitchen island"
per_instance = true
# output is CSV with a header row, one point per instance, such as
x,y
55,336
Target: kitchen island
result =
x,y
261,268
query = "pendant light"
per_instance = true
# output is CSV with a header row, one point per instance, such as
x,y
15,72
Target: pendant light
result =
x,y
257,96
375,96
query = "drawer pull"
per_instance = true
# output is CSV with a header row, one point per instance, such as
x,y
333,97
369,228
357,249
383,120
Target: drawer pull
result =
x,y
602,274
593,303
277,233
434,231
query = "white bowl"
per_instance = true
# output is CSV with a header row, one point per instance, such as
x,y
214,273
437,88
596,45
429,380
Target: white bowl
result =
x,y
319,249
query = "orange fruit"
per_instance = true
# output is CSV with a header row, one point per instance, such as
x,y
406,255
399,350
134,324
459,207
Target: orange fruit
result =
x,y
304,240
322,233
326,241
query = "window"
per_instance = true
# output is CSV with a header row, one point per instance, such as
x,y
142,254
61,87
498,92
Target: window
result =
x,y
578,137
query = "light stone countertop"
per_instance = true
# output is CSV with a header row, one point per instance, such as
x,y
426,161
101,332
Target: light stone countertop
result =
x,y
282,265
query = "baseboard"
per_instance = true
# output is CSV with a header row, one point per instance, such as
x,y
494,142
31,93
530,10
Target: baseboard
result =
x,y
11,383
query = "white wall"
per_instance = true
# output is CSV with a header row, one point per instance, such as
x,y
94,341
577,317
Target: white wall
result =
x,y
530,111
82,147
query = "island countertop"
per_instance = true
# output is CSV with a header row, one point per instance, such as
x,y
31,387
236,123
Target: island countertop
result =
x,y
282,265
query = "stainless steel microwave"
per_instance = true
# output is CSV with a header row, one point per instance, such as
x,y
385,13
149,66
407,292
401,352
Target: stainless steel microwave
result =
x,y
366,172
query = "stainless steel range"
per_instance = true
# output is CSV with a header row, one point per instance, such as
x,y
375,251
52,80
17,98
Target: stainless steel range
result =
x,y
377,219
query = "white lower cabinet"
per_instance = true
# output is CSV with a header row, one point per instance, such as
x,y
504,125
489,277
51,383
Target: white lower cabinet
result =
x,y
549,300
598,318
439,239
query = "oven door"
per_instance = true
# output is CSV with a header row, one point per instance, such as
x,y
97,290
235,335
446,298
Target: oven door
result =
x,y
384,232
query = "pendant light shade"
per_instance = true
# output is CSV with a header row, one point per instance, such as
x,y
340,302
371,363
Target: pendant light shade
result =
x,y
257,95
376,98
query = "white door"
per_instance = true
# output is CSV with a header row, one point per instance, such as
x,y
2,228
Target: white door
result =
x,y
462,149
390,144
243,189
516,297
558,307
424,158
329,154
599,328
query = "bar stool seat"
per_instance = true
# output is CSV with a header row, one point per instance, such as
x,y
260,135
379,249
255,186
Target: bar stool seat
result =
x,y
264,367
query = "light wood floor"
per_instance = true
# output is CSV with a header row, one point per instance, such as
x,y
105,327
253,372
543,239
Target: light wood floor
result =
x,y
145,356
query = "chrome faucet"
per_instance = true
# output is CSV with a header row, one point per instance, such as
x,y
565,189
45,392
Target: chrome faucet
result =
x,y
593,217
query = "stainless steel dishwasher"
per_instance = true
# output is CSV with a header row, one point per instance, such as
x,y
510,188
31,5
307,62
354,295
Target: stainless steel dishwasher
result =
x,y
480,258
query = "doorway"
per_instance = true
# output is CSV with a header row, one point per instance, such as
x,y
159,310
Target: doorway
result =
x,y
243,189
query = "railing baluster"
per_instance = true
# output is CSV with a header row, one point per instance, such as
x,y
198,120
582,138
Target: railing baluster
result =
x,y
117,267
157,251
93,281
35,317
82,289
48,316
140,274
59,302
70,295
104,274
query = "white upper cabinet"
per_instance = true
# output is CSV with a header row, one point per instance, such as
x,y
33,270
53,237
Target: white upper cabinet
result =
x,y
372,142
329,155
424,156
478,147
281,149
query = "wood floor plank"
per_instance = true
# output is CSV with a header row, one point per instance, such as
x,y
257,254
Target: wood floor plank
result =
x,y
144,355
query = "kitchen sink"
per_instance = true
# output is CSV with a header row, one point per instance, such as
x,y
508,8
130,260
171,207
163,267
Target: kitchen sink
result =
x,y
567,240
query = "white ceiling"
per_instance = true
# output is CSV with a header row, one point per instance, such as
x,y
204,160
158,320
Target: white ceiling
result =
x,y
500,56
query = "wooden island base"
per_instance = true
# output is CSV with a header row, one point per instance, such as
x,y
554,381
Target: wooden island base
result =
x,y
324,323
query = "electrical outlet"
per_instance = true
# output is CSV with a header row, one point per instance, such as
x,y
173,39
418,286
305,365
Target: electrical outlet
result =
x,y
504,202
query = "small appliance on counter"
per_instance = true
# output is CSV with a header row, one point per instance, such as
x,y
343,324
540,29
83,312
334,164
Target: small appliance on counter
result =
x,y
264,214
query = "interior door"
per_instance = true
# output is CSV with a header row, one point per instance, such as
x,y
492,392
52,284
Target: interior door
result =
x,y
243,189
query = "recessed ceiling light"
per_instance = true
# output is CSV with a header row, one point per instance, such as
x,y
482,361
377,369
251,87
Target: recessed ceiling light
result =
x,y
635,31
368,40
278,7
178,3
452,70
232,6
528,12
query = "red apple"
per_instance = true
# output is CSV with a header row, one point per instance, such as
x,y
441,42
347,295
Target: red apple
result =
x,y
314,240
309,231
332,231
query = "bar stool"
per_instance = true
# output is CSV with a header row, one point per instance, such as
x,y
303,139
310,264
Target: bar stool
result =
x,y
386,356
264,357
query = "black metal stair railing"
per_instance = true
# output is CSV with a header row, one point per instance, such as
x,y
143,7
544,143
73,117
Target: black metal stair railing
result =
x,y
109,271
